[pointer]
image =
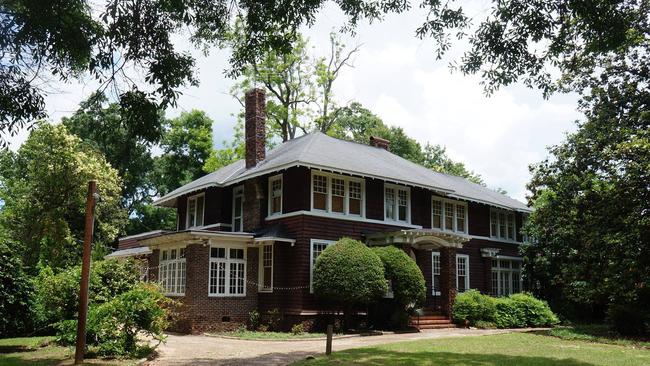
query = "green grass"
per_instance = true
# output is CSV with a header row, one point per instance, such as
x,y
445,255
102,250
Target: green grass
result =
x,y
599,333
26,342
278,336
503,349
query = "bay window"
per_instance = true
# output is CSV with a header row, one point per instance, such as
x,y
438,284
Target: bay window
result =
x,y
275,195
397,203
506,277
227,275
171,271
195,208
449,215
337,194
502,224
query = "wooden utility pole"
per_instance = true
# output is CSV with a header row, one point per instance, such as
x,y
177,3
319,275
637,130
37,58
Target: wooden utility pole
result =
x,y
85,273
328,342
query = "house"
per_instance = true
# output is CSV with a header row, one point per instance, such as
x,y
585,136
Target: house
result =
x,y
248,234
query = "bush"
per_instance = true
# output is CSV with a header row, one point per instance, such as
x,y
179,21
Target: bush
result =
x,y
629,320
515,311
472,306
405,275
253,319
57,294
298,329
275,320
113,327
15,294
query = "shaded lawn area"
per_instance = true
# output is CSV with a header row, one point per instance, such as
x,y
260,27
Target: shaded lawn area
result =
x,y
502,349
278,336
599,333
40,351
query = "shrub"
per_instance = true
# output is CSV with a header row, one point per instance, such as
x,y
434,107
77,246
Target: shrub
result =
x,y
472,306
536,312
275,320
15,294
405,275
629,319
113,327
508,314
253,319
298,329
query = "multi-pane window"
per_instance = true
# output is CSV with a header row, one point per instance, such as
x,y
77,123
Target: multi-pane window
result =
x,y
435,273
266,268
317,247
238,209
227,271
462,272
275,195
506,277
449,215
171,271
397,203
502,224
337,194
195,206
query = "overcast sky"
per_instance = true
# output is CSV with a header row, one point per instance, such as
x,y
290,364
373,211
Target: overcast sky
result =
x,y
396,76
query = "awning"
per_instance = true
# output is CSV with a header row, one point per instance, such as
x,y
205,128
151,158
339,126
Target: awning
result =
x,y
418,238
126,253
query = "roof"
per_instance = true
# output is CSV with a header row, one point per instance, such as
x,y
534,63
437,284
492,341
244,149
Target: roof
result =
x,y
131,252
320,151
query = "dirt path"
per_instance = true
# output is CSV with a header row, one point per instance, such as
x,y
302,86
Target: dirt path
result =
x,y
204,350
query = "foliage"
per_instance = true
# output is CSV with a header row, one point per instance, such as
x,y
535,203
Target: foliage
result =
x,y
632,320
113,327
186,145
15,294
297,329
515,311
275,319
404,274
57,294
349,273
253,319
44,192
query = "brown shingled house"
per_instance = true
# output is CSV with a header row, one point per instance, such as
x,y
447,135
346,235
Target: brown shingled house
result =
x,y
249,233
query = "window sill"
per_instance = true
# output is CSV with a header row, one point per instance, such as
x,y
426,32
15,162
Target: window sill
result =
x,y
174,295
227,296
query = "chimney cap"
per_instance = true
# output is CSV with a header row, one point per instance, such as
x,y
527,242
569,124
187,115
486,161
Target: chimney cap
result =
x,y
379,142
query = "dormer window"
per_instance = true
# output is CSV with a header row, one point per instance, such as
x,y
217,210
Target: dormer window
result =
x,y
337,194
397,203
275,195
195,207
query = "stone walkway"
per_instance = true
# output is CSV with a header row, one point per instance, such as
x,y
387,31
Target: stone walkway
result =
x,y
204,350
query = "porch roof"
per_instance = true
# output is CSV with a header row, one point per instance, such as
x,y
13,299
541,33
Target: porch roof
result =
x,y
418,238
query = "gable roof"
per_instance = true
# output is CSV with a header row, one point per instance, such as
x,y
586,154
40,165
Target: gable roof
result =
x,y
320,151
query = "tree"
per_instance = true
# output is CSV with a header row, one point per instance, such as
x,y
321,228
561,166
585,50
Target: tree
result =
x,y
591,224
435,158
404,274
44,192
349,274
186,145
15,293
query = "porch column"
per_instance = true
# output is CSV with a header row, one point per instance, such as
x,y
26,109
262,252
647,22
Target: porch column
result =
x,y
447,278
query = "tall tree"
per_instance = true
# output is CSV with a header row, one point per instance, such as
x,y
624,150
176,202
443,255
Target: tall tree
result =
x,y
44,189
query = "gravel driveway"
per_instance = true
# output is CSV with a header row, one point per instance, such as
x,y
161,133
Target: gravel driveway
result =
x,y
205,350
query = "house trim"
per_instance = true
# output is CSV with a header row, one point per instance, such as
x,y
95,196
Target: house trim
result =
x,y
342,217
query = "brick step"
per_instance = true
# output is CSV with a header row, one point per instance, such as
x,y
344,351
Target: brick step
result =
x,y
430,317
429,321
438,326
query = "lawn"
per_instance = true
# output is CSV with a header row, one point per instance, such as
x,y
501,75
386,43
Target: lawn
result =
x,y
599,333
502,349
269,336
39,351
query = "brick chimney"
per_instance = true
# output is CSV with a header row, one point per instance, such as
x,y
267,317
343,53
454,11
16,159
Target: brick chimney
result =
x,y
379,142
255,130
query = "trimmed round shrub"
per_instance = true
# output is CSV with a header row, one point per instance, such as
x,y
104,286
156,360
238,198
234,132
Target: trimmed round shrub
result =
x,y
536,312
405,275
472,306
349,273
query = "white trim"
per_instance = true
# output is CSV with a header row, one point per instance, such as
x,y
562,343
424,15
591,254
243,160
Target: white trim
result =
x,y
466,257
509,271
433,289
227,261
496,240
219,224
270,185
235,194
343,217
177,261
274,238
311,259
396,188
260,269
187,211
509,214
134,236
456,203
346,183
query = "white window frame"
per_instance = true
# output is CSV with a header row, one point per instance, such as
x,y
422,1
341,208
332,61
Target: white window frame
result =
x,y
455,204
499,270
238,191
227,261
346,198
396,188
510,218
312,242
466,258
273,179
434,291
262,265
180,266
187,211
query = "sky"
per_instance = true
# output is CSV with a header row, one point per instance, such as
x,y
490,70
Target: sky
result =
x,y
397,77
